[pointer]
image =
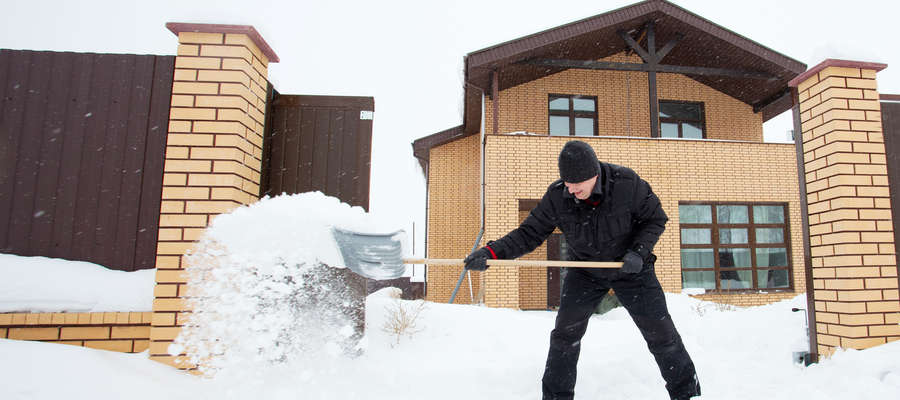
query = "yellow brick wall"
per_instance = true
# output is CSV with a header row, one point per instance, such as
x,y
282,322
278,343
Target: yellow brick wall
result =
x,y
521,167
851,226
454,215
622,103
127,332
213,158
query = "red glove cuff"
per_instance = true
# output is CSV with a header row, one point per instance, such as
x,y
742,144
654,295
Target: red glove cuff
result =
x,y
493,255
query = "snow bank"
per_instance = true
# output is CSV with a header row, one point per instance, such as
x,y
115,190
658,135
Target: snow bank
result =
x,y
41,284
475,352
263,288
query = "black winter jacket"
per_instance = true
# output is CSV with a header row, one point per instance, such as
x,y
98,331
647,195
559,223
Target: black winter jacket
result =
x,y
628,216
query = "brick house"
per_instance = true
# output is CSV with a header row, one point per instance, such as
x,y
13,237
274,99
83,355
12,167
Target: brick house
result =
x,y
650,86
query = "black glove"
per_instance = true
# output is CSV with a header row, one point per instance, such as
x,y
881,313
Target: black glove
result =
x,y
632,263
477,261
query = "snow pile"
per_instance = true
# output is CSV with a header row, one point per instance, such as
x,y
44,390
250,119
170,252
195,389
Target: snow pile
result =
x,y
41,284
263,288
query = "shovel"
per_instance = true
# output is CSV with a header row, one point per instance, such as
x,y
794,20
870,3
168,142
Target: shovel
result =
x,y
380,256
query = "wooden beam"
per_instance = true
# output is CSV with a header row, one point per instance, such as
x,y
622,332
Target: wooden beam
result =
x,y
654,104
640,38
773,98
634,46
675,69
668,47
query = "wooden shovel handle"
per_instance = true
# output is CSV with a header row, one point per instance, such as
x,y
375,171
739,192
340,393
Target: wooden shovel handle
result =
x,y
517,263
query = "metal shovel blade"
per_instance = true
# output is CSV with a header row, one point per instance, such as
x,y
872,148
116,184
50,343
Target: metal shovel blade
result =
x,y
373,255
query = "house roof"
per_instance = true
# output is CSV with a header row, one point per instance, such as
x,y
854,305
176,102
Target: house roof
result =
x,y
422,145
702,44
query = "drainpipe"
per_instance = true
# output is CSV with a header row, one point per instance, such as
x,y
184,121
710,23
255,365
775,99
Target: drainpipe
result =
x,y
804,218
495,94
425,249
481,209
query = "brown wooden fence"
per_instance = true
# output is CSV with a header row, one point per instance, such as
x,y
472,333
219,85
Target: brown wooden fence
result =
x,y
319,143
82,138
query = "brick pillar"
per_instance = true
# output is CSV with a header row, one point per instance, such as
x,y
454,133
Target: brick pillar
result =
x,y
854,269
213,153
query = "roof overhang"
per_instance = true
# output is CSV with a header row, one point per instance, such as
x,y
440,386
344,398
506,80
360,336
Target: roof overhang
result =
x,y
691,45
422,146
703,44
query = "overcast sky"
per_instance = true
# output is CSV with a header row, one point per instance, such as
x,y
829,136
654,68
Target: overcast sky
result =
x,y
408,54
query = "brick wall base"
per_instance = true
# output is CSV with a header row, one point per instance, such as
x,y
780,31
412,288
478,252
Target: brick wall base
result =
x,y
127,332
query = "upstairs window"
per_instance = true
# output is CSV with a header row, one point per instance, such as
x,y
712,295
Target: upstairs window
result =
x,y
732,246
572,115
681,119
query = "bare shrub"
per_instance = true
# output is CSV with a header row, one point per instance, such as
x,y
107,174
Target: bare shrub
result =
x,y
401,318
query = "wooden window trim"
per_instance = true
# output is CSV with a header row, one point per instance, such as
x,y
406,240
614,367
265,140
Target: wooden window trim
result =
x,y
571,113
680,122
751,244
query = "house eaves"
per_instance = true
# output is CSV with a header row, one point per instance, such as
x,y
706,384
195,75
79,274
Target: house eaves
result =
x,y
703,44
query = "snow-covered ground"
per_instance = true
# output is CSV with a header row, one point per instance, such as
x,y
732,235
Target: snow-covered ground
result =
x,y
41,284
483,353
452,352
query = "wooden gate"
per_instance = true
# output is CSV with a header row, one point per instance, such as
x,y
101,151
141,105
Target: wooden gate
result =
x,y
319,143
890,125
82,139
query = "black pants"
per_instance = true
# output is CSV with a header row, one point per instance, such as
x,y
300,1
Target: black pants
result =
x,y
643,297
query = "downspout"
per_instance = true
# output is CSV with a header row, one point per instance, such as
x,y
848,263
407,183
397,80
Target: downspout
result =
x,y
483,142
481,209
495,89
425,242
804,218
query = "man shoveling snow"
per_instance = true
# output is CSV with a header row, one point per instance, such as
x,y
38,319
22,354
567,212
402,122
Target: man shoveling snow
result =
x,y
607,213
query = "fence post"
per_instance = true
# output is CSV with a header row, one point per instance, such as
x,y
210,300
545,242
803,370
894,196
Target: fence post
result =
x,y
854,266
213,153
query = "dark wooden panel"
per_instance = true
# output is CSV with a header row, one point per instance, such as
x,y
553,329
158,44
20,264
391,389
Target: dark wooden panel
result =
x,y
83,142
266,165
349,175
333,166
344,102
288,154
87,223
52,137
307,152
135,135
890,123
16,67
154,157
320,143
75,125
28,164
113,157
364,162
321,135
6,152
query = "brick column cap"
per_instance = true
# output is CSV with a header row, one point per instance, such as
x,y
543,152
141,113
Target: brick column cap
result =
x,y
831,62
249,30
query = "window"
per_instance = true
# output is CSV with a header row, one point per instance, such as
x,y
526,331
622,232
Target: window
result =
x,y
730,246
572,115
680,119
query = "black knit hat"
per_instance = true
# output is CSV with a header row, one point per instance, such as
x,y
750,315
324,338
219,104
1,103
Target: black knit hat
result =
x,y
577,162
